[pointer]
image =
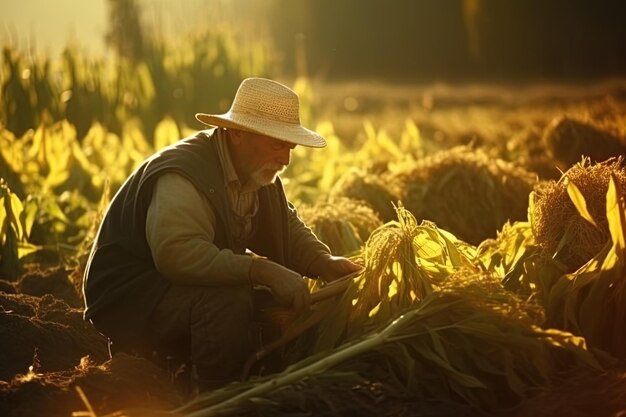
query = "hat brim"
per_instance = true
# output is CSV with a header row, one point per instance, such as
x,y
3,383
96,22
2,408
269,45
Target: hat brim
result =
x,y
292,133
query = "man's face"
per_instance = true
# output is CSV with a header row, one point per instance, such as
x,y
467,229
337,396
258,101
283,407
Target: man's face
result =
x,y
261,158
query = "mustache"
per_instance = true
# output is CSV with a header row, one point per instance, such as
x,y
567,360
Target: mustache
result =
x,y
272,166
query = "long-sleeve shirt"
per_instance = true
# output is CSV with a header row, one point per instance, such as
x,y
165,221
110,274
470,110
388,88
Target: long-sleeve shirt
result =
x,y
180,227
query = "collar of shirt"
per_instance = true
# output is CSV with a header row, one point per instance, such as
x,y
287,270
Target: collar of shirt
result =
x,y
243,199
230,174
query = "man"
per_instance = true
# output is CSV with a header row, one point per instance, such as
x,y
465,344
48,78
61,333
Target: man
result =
x,y
196,228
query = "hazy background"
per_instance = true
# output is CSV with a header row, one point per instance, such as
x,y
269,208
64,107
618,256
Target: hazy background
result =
x,y
394,40
50,25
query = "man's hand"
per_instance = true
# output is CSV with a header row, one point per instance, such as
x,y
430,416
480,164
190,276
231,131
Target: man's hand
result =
x,y
288,287
330,268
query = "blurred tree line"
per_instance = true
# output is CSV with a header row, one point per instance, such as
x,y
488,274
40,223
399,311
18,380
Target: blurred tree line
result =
x,y
147,78
454,39
151,77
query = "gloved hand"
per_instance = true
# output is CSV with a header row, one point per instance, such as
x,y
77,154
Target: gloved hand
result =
x,y
288,287
330,268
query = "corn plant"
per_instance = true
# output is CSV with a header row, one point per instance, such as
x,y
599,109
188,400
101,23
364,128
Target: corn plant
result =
x,y
16,222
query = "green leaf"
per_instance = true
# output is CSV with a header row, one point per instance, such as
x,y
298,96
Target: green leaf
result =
x,y
616,214
24,249
579,202
28,215
3,215
14,211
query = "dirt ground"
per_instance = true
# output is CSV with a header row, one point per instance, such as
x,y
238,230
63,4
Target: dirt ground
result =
x,y
48,352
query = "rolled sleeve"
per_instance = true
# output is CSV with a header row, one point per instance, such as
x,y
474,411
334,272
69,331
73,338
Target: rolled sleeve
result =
x,y
180,229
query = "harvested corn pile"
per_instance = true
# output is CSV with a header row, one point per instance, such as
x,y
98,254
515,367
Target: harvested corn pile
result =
x,y
528,149
592,301
465,192
470,344
343,224
404,262
378,193
569,140
558,227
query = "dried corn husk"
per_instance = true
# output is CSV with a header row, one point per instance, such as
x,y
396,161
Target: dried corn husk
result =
x,y
569,140
592,301
466,192
515,257
559,228
343,224
377,192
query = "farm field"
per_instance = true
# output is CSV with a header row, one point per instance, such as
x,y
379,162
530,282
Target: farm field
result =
x,y
491,221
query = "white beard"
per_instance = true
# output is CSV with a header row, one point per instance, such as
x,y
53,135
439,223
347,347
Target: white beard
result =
x,y
262,176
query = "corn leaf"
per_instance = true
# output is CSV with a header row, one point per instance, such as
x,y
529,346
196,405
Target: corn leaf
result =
x,y
579,202
165,133
616,215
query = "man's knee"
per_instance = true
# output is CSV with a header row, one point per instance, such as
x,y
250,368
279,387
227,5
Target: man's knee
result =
x,y
221,332
224,304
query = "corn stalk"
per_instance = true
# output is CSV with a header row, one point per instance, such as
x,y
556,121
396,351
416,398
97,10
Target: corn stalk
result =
x,y
16,221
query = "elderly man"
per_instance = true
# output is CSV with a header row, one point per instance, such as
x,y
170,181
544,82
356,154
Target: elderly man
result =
x,y
197,227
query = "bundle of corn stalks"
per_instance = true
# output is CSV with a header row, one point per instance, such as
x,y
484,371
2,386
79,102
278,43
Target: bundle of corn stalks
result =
x,y
470,344
378,193
466,192
589,300
561,231
570,139
404,262
528,149
343,224
515,257
592,301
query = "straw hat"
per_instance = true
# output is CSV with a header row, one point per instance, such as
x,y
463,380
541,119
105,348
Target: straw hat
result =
x,y
266,107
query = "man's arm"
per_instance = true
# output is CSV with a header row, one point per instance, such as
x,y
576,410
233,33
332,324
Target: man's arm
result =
x,y
313,256
180,229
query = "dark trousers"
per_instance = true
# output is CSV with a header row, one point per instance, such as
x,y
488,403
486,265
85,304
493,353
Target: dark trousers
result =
x,y
209,326
215,329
